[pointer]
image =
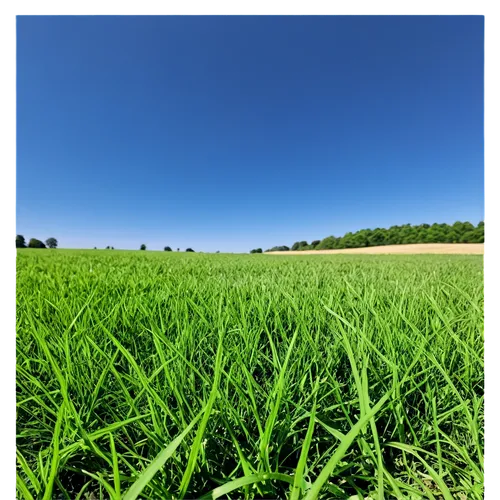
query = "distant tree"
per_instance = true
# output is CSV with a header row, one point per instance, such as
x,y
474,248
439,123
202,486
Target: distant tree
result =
x,y
143,247
360,238
95,248
34,243
469,237
302,244
437,233
256,250
112,248
396,235
462,227
51,242
167,249
327,243
377,238
189,250
296,246
479,233
217,251
107,248
20,241
315,243
178,250
348,240
282,248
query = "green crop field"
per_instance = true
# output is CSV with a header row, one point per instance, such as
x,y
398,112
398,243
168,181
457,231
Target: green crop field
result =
x,y
166,375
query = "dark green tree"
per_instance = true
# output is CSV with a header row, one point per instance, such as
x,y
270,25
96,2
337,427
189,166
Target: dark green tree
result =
x,y
51,243
143,247
462,227
282,248
20,241
167,249
34,243
315,243
470,237
482,231
327,243
377,238
348,240
189,250
437,234
479,233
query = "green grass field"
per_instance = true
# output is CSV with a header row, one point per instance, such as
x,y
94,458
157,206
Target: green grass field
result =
x,y
166,375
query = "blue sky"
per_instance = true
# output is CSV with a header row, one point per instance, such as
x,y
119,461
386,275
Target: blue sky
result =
x,y
230,133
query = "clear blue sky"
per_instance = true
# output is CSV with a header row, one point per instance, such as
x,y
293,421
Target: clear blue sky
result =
x,y
230,133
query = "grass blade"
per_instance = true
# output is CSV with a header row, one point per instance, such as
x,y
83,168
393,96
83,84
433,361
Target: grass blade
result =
x,y
142,481
55,454
342,449
299,470
186,478
245,481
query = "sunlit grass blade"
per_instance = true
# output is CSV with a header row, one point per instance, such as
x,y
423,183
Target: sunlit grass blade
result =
x,y
116,471
55,454
195,449
342,449
275,405
299,470
435,476
29,473
22,488
141,482
244,481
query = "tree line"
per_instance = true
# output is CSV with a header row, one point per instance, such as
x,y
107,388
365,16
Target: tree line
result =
x,y
459,232
165,249
144,247
52,243
35,243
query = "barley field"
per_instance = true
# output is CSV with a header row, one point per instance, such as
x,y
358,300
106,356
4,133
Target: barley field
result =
x,y
163,375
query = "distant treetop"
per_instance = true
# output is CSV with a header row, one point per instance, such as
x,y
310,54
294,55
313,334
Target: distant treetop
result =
x,y
51,242
34,243
282,248
20,241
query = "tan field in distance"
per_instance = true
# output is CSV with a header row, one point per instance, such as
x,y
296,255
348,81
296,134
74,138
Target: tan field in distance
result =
x,y
420,248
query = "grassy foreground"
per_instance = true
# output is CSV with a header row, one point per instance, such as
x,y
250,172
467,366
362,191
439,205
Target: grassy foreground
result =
x,y
165,375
